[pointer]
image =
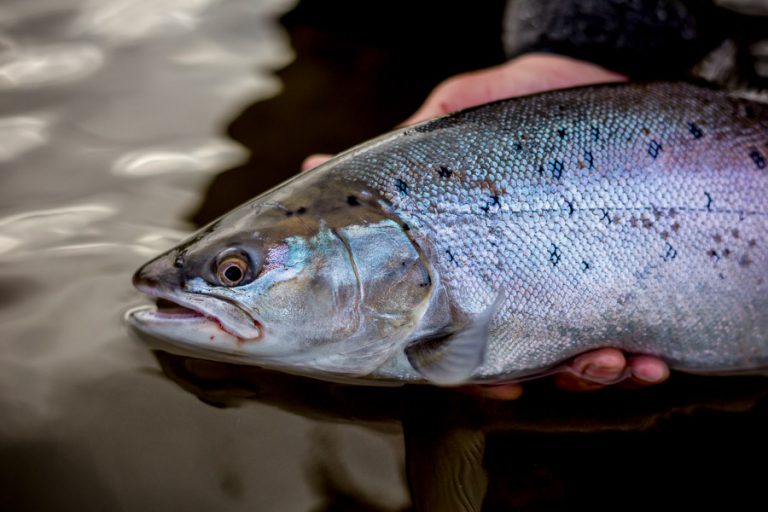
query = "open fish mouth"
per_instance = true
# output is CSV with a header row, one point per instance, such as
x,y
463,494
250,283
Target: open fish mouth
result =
x,y
196,319
171,310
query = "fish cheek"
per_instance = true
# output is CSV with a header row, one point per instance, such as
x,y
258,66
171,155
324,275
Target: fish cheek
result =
x,y
313,305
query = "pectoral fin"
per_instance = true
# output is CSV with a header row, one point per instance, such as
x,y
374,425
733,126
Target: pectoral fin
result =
x,y
449,358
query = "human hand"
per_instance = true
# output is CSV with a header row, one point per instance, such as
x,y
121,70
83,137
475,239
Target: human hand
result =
x,y
530,74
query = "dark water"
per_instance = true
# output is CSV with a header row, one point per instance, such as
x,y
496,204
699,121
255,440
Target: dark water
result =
x,y
115,115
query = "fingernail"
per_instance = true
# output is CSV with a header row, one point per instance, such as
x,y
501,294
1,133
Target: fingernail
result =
x,y
651,373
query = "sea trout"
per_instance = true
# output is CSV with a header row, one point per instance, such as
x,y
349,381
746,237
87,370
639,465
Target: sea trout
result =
x,y
495,243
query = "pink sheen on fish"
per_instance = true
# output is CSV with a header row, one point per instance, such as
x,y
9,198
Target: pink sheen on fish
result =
x,y
495,243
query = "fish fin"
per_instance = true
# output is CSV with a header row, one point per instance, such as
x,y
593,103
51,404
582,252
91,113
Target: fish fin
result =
x,y
450,358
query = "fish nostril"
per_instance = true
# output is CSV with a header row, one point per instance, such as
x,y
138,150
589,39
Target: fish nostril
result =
x,y
142,281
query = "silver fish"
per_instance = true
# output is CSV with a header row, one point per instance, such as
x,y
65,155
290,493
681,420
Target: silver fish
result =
x,y
495,243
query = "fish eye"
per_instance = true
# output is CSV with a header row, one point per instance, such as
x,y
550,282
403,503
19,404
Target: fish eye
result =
x,y
232,270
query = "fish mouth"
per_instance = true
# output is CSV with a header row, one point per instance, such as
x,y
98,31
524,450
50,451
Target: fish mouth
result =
x,y
178,314
173,310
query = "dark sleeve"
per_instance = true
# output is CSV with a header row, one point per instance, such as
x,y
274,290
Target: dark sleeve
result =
x,y
640,38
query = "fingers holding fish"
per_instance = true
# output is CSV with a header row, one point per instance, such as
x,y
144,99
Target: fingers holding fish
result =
x,y
647,370
528,74
591,371
313,161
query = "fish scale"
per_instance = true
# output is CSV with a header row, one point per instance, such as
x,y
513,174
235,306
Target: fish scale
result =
x,y
611,202
494,244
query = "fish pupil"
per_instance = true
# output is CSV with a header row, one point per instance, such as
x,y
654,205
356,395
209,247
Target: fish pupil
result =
x,y
233,273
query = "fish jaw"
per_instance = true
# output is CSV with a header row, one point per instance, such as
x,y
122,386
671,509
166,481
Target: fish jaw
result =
x,y
193,331
197,321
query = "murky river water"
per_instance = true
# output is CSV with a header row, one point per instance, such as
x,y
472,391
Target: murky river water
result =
x,y
113,119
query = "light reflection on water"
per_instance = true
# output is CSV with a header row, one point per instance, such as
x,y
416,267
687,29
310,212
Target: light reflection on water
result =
x,y
111,120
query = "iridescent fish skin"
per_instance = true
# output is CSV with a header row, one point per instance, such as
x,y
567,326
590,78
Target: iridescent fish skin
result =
x,y
495,243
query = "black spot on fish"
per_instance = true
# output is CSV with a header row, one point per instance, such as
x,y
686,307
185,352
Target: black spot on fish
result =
x,y
301,211
494,201
654,148
758,158
585,266
590,159
670,254
352,201
735,233
557,168
717,238
561,133
606,216
406,227
726,252
676,227
444,172
709,201
179,261
570,207
541,169
595,133
401,186
752,242
647,223
554,255
713,255
695,131
517,146
288,213
745,261
450,256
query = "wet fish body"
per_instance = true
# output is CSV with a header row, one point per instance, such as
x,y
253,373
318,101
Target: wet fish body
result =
x,y
495,243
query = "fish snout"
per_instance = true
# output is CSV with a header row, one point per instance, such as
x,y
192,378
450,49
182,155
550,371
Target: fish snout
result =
x,y
159,273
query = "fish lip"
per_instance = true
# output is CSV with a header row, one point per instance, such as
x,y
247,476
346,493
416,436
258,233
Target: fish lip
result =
x,y
198,311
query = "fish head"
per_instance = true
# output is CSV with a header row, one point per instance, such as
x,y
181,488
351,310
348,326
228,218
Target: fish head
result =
x,y
305,284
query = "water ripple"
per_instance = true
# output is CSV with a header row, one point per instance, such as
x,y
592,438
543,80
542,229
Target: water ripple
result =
x,y
21,134
122,20
209,156
46,65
